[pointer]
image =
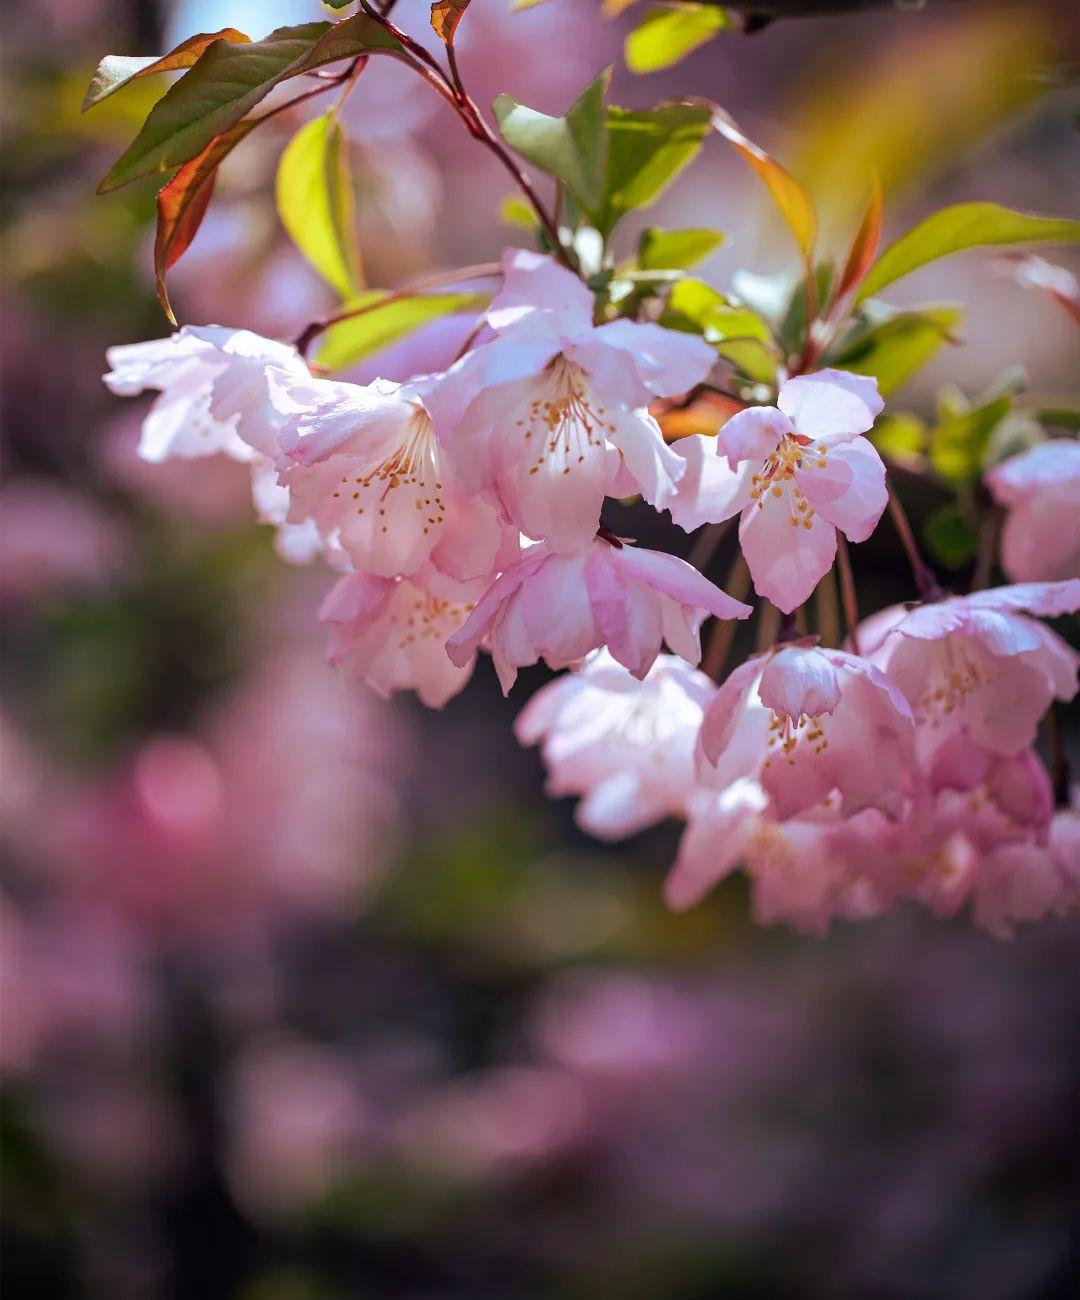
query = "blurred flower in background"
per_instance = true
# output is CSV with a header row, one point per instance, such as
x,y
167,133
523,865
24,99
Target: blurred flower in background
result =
x,y
305,994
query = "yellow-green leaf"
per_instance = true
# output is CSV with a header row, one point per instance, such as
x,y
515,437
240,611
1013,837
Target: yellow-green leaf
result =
x,y
895,349
963,226
317,203
959,442
665,249
739,334
666,36
379,326
514,211
647,150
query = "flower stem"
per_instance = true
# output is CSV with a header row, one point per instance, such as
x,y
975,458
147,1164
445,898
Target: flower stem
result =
x,y
924,580
722,633
847,591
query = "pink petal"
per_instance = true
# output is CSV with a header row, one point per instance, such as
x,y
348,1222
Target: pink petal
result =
x,y
1049,599
709,490
540,297
680,581
798,682
668,362
752,434
655,466
786,563
831,405
858,507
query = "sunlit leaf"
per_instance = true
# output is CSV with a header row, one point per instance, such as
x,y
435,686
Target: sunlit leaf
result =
x,y
182,204
445,16
788,195
963,226
739,333
899,436
864,246
666,36
959,441
571,148
228,81
647,149
116,70
362,336
317,204
662,249
893,350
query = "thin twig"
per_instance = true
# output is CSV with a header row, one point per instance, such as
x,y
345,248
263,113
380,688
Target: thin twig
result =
x,y
827,600
847,591
705,547
768,626
984,559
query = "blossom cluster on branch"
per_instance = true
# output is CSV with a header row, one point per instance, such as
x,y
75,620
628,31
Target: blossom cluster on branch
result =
x,y
462,512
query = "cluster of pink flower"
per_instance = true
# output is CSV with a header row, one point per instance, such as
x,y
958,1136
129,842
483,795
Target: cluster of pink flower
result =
x,y
463,512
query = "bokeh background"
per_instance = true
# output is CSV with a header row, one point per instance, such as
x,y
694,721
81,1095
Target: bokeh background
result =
x,y
309,995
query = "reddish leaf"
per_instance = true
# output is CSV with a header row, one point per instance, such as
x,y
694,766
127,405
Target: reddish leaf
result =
x,y
445,16
865,245
788,195
116,70
182,204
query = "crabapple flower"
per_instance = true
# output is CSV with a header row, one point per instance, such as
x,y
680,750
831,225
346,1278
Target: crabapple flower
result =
x,y
215,399
804,722
804,871
625,746
214,395
797,472
364,466
1041,492
1025,882
391,633
557,606
547,414
978,665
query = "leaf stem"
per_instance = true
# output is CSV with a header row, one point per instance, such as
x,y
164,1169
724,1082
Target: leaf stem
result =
x,y
925,581
311,332
722,633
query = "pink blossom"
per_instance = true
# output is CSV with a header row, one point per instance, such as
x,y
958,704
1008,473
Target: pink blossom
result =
x,y
1041,491
797,472
558,606
978,665
216,398
1019,882
626,746
804,722
392,633
364,466
803,871
547,414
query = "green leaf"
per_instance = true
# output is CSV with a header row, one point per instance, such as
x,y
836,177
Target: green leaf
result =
x,y
1061,417
663,249
515,211
648,148
959,442
895,349
962,226
228,81
317,204
116,70
900,436
570,148
949,537
739,333
362,336
665,37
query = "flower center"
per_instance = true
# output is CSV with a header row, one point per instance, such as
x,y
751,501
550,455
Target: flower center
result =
x,y
413,463
959,676
564,418
428,617
793,452
785,736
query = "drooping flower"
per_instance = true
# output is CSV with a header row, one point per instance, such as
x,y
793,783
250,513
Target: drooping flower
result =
x,y
211,381
363,464
625,746
557,606
805,871
805,722
797,472
391,633
550,413
979,665
215,399
1018,882
1041,491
